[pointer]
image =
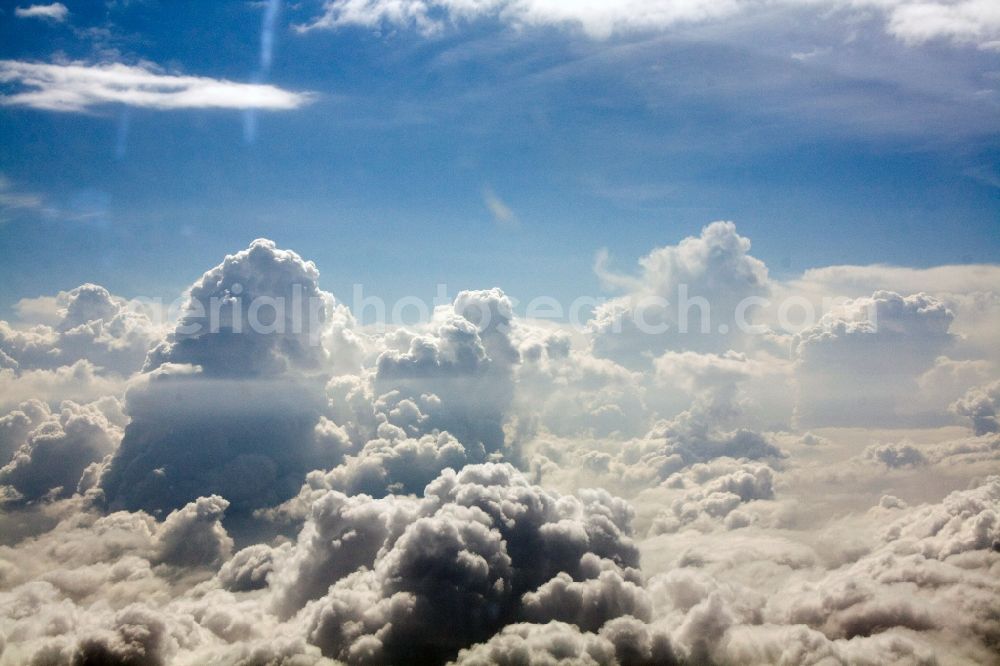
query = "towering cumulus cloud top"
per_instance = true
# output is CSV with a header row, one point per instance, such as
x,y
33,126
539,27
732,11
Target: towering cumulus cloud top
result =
x,y
258,313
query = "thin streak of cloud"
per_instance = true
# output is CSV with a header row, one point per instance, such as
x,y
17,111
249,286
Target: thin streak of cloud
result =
x,y
13,200
78,86
83,206
502,214
985,175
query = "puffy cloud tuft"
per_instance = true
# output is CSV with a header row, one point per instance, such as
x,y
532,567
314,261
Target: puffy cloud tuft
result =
x,y
980,405
418,579
194,535
57,448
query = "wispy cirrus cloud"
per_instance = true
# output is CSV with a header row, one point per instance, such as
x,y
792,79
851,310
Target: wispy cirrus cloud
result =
x,y
14,200
78,86
502,214
57,11
911,21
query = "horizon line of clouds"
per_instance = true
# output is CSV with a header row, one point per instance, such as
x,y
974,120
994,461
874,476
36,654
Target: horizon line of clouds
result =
x,y
78,87
56,11
912,22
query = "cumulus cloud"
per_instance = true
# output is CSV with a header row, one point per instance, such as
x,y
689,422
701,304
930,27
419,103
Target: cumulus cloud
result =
x,y
121,588
473,542
17,424
608,593
980,406
623,640
702,434
113,558
915,578
57,447
243,371
714,494
79,86
968,291
417,579
900,454
687,297
565,390
87,323
395,464
916,594
82,381
80,345
861,362
466,362
194,535
261,307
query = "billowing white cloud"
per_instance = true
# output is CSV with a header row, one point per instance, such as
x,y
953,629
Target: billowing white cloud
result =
x,y
81,382
624,640
901,454
86,323
688,296
715,493
80,86
453,571
466,361
861,362
79,345
568,391
56,448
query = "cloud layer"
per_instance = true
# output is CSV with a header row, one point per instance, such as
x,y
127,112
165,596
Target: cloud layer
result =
x,y
912,21
266,481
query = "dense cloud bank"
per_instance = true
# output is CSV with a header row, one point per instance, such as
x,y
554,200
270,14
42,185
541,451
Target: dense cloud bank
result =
x,y
485,567
265,481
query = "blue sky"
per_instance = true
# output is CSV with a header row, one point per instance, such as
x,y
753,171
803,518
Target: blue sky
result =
x,y
825,136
